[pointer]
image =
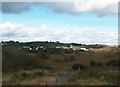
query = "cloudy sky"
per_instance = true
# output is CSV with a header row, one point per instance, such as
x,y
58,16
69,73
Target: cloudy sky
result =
x,y
79,21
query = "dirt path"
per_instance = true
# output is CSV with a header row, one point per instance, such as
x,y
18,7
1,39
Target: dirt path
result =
x,y
61,80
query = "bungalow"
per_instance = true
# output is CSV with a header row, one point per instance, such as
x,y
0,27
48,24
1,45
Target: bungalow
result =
x,y
65,47
83,49
40,47
27,47
30,48
36,48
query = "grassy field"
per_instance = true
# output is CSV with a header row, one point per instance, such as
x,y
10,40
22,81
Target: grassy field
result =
x,y
96,78
45,66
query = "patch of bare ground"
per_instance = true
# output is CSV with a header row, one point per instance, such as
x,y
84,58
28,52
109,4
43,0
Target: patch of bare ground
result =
x,y
38,81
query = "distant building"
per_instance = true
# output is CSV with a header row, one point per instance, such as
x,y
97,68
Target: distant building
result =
x,y
36,48
30,48
71,46
66,47
83,49
41,46
27,47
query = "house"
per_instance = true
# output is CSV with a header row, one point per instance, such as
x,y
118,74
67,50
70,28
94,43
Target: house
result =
x,y
30,49
83,49
27,47
40,47
37,48
71,46
65,47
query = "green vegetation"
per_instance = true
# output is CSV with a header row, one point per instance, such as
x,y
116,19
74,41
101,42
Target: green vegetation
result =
x,y
50,44
21,65
105,78
95,64
114,63
78,66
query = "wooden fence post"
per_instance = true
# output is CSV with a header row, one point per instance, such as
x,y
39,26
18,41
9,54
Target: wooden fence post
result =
x,y
56,81
46,82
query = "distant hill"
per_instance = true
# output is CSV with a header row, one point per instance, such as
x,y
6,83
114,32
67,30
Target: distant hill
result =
x,y
50,44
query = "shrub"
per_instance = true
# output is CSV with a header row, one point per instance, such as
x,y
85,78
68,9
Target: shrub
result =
x,y
100,64
114,63
23,74
69,57
45,55
93,63
77,66
58,60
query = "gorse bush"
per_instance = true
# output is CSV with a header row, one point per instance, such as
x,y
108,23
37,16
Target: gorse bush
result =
x,y
69,57
114,63
95,64
78,66
58,60
14,59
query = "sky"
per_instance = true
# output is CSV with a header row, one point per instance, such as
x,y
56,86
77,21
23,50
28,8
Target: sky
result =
x,y
78,21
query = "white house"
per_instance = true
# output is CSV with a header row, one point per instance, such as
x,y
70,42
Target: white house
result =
x,y
83,49
41,46
27,47
71,46
37,48
30,48
65,47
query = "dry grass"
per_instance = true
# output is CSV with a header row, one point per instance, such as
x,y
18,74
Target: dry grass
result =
x,y
38,81
95,78
60,65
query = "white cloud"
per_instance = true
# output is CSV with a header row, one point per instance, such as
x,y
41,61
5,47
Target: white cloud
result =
x,y
15,31
8,28
99,7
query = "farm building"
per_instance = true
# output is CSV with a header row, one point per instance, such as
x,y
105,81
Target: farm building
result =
x,y
83,49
